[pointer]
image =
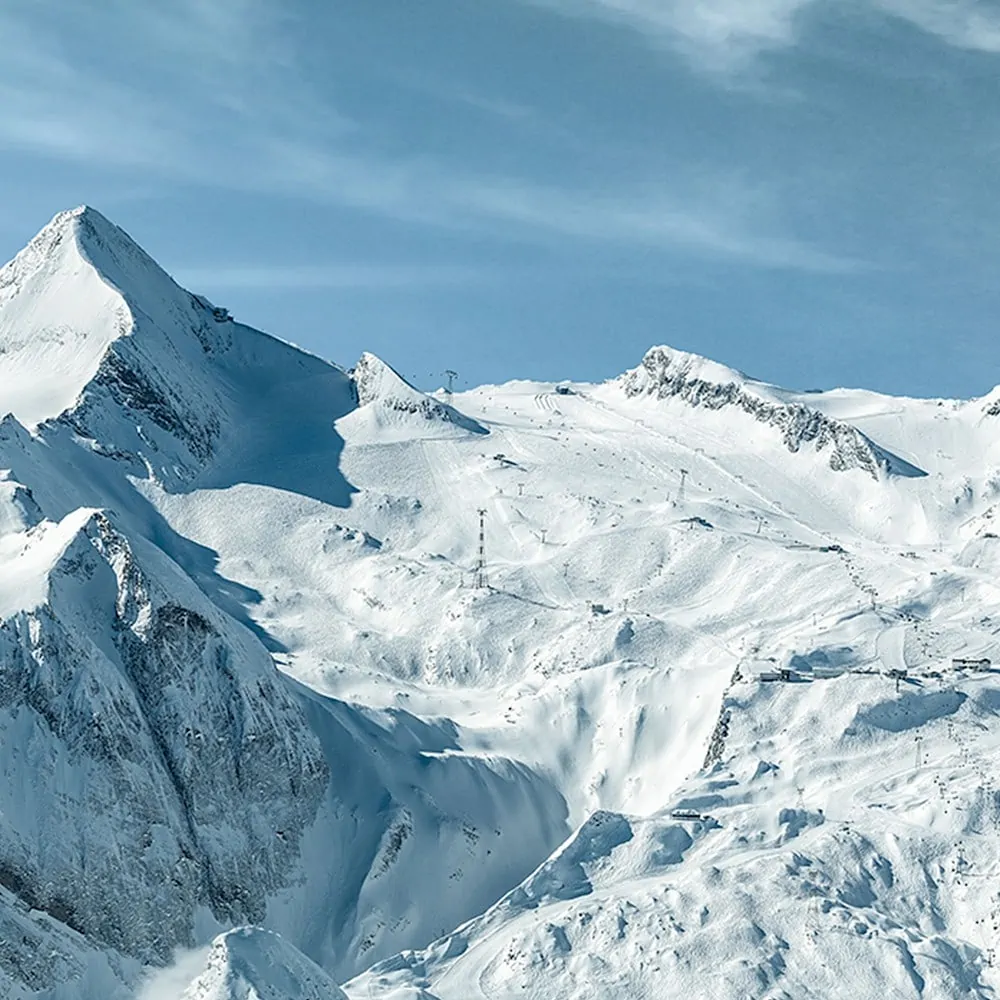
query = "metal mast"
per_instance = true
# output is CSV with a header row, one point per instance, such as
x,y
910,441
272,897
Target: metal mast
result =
x,y
480,581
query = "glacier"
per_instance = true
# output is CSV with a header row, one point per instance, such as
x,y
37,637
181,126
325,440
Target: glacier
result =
x,y
721,724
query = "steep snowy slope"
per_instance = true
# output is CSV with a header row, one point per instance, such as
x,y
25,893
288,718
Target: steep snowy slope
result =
x,y
148,743
162,780
386,399
187,502
251,964
96,333
845,846
58,317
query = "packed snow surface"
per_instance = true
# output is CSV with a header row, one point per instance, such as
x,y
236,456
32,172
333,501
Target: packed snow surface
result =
x,y
716,715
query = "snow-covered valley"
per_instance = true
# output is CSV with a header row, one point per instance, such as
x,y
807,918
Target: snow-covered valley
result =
x,y
692,727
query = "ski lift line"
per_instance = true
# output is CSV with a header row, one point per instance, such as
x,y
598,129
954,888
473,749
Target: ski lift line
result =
x,y
700,453
504,519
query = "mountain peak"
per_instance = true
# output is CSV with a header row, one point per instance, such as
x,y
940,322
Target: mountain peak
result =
x,y
250,963
377,380
395,399
693,365
666,373
84,228
69,216
91,326
59,313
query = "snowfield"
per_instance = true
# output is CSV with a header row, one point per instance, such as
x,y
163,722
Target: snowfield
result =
x,y
722,723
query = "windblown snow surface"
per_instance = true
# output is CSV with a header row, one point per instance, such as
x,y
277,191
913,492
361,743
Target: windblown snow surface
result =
x,y
702,734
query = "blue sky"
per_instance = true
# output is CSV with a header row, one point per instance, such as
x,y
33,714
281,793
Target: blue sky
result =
x,y
807,190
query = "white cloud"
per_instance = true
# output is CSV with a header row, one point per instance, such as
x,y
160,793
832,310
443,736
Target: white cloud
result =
x,y
718,35
268,132
713,220
727,36
966,24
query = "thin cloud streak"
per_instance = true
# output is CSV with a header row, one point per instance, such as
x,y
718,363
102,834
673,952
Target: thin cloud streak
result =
x,y
728,36
716,35
965,24
67,110
344,276
719,226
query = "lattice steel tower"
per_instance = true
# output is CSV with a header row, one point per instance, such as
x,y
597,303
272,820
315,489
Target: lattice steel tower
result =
x,y
480,581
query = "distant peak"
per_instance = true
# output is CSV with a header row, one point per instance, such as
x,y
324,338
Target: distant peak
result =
x,y
666,373
250,963
375,379
378,383
663,358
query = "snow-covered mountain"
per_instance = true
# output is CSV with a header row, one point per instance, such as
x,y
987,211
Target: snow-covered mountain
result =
x,y
701,734
253,964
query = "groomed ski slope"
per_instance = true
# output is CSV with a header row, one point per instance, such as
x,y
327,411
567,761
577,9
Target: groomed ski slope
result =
x,y
617,608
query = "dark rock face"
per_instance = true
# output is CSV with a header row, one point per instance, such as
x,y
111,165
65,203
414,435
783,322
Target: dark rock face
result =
x,y
138,393
663,376
159,763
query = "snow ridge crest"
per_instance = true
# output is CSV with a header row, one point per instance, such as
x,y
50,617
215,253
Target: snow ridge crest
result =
x,y
84,230
250,963
666,373
378,383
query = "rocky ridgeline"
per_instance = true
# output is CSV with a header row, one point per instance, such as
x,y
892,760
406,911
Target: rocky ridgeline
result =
x,y
665,373
379,385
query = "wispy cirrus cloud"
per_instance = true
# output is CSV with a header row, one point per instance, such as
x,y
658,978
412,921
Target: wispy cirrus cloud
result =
x,y
965,24
723,219
727,36
238,115
718,35
340,275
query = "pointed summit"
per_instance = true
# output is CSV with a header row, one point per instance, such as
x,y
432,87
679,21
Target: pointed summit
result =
x,y
58,316
78,233
93,331
253,964
96,336
382,387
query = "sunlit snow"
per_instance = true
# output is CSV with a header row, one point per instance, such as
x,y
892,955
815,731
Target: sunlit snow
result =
x,y
721,723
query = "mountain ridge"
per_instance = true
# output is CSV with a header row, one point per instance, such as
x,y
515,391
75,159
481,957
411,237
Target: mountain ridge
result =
x,y
458,713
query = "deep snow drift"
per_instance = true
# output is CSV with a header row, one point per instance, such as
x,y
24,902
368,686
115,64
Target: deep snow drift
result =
x,y
246,679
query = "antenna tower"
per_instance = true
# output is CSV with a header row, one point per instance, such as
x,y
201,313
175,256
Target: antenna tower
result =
x,y
450,376
480,581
